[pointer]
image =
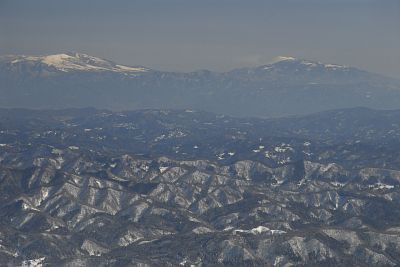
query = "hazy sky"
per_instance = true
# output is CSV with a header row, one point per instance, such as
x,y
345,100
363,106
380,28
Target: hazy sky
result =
x,y
219,35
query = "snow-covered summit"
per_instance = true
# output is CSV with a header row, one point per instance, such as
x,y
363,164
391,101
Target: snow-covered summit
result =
x,y
75,62
302,62
282,58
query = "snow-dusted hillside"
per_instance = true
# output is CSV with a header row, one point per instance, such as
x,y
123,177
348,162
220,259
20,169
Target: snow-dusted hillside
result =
x,y
96,188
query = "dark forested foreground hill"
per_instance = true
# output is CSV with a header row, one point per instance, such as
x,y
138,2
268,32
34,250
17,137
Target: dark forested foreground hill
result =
x,y
287,86
86,187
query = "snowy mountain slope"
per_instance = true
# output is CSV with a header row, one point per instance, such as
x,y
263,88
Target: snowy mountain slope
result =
x,y
70,62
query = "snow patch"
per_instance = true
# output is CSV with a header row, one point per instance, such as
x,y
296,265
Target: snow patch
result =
x,y
282,58
163,169
202,230
33,263
334,66
260,230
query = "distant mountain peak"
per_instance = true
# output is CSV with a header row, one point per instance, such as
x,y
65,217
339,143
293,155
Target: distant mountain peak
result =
x,y
72,61
309,64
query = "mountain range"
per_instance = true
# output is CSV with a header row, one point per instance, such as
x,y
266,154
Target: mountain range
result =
x,y
206,169
87,187
286,86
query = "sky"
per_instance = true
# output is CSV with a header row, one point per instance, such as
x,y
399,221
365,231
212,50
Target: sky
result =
x,y
219,35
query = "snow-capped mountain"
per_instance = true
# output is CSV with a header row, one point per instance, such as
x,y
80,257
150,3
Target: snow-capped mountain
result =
x,y
289,69
307,63
67,62
285,86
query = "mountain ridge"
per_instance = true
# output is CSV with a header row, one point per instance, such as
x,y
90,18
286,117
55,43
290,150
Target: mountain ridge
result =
x,y
15,58
100,188
72,61
287,86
